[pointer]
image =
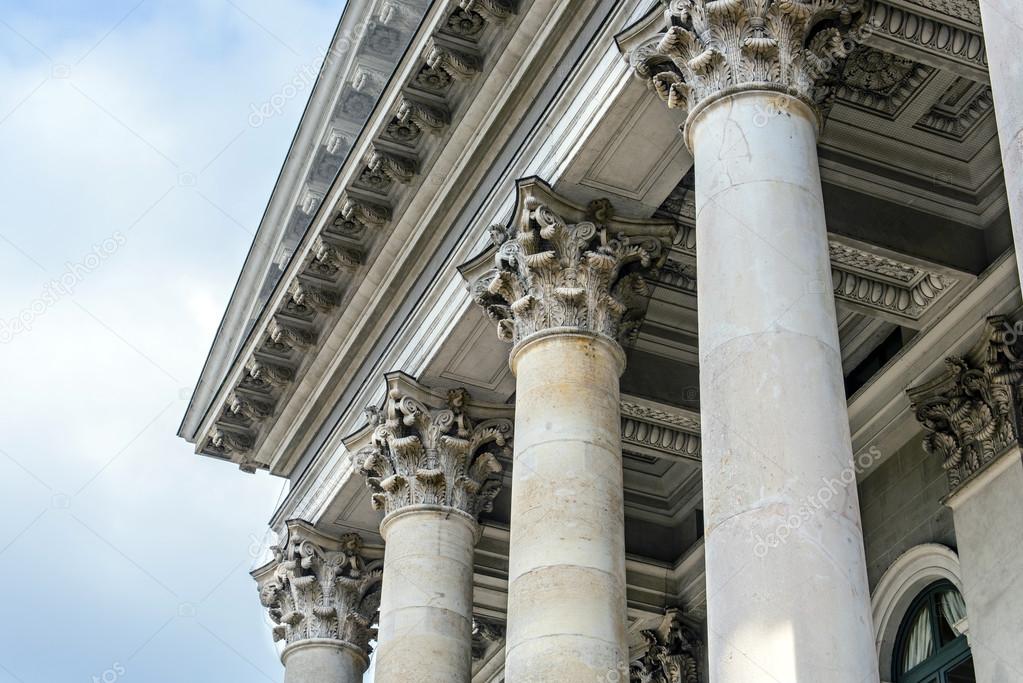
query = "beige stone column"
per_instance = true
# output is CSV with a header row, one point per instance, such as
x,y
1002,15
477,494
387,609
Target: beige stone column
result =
x,y
564,290
787,594
322,595
1003,28
432,464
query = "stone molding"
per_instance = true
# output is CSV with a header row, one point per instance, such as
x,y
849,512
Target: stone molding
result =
x,y
317,291
321,588
914,570
705,49
425,448
970,414
658,430
943,38
670,652
560,265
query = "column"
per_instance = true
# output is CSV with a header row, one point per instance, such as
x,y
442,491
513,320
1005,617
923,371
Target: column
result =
x,y
1003,26
787,593
564,290
322,595
968,414
432,462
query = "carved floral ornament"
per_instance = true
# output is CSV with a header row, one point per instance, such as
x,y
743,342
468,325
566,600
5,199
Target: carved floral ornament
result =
x,y
712,47
669,653
320,587
558,265
970,414
429,449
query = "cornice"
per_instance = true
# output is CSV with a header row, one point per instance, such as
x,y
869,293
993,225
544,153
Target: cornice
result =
x,y
354,71
382,175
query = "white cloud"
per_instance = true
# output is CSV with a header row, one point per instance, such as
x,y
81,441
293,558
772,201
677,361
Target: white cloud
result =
x,y
112,523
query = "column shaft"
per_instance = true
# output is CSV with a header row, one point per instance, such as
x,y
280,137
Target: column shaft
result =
x,y
322,661
566,599
1003,26
786,579
426,608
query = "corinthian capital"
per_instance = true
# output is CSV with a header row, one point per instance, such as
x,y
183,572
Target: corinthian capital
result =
x,y
321,587
433,448
669,652
560,265
706,48
970,413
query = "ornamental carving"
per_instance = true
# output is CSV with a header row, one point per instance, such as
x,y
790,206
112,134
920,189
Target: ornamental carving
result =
x,y
669,654
561,266
715,46
320,587
970,414
430,449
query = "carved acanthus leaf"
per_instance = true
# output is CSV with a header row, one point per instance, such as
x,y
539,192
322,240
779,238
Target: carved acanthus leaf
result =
x,y
318,590
670,654
550,272
433,455
458,64
713,46
970,413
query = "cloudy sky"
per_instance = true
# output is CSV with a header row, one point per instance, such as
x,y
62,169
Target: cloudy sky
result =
x,y
131,182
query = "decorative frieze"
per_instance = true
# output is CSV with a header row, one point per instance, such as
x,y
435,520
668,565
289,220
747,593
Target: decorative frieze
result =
x,y
896,26
971,412
318,587
713,47
670,653
659,431
559,265
426,448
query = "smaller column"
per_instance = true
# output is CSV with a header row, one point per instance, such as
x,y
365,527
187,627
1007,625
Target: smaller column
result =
x,y
971,415
322,595
432,469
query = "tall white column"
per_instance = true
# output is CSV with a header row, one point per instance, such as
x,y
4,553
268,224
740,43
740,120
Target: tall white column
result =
x,y
1003,28
563,292
787,593
322,595
432,463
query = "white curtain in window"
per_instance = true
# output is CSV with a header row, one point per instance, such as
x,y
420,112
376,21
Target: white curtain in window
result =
x,y
920,644
953,609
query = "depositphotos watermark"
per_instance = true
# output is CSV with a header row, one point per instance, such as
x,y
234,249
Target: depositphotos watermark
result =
x,y
829,490
63,286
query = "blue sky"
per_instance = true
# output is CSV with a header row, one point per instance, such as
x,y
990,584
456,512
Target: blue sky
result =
x,y
131,183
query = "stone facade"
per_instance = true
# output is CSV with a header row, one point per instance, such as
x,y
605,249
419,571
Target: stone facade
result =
x,y
755,379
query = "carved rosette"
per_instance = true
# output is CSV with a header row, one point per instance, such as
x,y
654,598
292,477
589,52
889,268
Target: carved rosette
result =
x,y
321,588
712,47
970,414
561,266
424,451
670,653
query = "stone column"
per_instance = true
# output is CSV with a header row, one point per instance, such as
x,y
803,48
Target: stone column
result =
x,y
564,290
322,595
787,593
970,415
1003,27
432,464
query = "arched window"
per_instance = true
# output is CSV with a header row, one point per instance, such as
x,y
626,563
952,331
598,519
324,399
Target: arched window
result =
x,y
930,647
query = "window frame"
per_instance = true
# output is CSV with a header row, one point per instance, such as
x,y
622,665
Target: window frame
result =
x,y
944,657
